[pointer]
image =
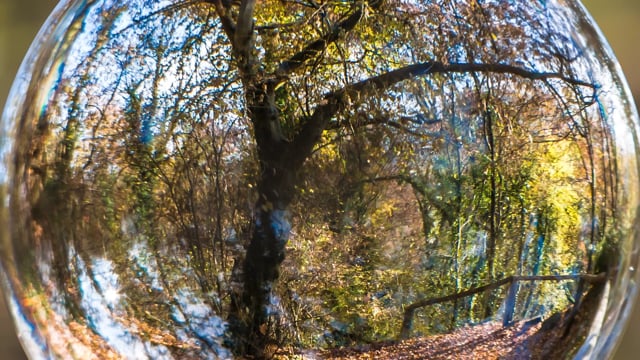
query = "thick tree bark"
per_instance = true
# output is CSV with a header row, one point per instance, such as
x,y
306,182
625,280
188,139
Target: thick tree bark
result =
x,y
265,253
251,306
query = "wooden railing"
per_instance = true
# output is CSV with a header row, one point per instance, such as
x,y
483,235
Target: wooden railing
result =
x,y
409,311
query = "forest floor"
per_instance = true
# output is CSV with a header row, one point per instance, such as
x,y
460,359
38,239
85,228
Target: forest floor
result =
x,y
557,337
485,341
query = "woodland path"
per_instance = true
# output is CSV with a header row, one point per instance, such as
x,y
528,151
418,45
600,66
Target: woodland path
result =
x,y
557,337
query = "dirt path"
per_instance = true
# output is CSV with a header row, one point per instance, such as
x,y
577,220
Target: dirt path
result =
x,y
557,337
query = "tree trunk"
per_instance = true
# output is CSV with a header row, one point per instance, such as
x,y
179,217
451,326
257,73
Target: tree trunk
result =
x,y
260,271
252,315
265,253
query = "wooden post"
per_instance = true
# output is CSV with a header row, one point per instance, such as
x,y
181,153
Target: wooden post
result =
x,y
510,304
407,323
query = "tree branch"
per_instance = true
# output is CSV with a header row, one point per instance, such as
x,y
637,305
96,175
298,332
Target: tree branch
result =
x,y
417,186
385,80
364,120
226,21
410,309
318,46
313,126
243,38
592,278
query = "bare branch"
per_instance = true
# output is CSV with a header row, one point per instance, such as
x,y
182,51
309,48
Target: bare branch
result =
x,y
392,77
225,19
243,39
592,278
364,120
410,309
313,126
